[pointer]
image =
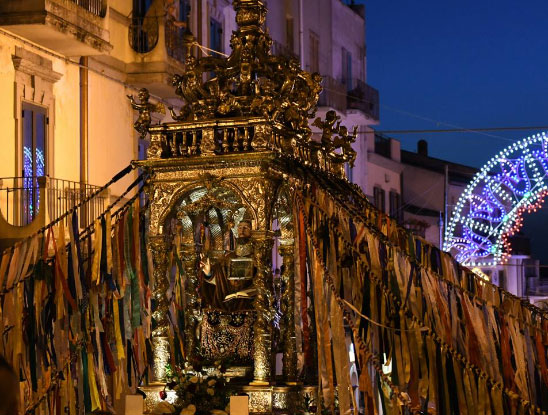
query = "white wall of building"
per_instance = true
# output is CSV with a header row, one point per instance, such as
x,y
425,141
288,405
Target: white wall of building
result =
x,y
383,172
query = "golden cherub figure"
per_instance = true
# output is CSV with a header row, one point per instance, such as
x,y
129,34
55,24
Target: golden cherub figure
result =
x,y
145,108
326,126
344,142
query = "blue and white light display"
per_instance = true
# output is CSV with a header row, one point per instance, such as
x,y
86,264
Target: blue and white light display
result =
x,y
30,184
490,208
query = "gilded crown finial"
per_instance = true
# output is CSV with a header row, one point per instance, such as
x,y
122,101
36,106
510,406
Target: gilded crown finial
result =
x,y
249,13
250,82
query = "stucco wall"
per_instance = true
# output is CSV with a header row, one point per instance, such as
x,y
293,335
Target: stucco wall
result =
x,y
7,79
66,136
348,32
112,139
112,142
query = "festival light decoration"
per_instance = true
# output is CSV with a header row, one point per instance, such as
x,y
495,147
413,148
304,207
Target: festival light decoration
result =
x,y
491,208
29,182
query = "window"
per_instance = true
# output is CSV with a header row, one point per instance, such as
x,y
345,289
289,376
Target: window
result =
x,y
141,7
314,52
346,69
289,34
33,157
395,205
215,35
378,196
34,140
184,9
349,175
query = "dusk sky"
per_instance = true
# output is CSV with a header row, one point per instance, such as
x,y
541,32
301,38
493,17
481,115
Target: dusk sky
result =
x,y
463,64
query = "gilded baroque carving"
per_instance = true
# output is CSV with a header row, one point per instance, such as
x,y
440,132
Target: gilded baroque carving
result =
x,y
161,199
145,108
160,247
254,102
233,146
188,257
288,312
262,331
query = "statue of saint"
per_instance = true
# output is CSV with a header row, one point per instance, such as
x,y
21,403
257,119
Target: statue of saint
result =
x,y
227,285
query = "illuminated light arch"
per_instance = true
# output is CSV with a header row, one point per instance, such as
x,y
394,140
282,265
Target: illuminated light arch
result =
x,y
490,209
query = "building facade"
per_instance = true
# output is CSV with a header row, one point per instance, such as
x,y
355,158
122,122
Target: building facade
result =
x,y
431,188
383,182
69,65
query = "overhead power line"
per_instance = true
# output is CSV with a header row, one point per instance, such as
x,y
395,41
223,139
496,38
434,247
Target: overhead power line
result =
x,y
460,130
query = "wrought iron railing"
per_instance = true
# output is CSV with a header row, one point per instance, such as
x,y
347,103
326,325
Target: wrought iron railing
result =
x,y
96,7
333,94
364,97
279,49
20,199
174,39
537,286
383,146
143,33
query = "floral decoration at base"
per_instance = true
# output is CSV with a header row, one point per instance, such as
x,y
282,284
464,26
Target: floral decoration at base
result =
x,y
199,392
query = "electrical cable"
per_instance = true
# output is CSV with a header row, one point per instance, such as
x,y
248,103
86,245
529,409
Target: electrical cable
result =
x,y
460,130
454,129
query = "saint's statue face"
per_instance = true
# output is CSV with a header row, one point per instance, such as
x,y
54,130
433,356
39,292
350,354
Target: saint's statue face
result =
x,y
244,229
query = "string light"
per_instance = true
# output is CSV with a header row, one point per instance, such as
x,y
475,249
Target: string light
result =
x,y
491,208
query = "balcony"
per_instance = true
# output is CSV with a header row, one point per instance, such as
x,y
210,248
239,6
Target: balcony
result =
x,y
383,146
29,203
157,42
364,98
333,94
69,27
279,49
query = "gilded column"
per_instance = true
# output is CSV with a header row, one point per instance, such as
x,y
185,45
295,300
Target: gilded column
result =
x,y
160,247
262,330
188,256
288,311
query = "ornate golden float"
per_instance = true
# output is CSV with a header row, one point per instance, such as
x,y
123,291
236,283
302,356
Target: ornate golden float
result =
x,y
221,182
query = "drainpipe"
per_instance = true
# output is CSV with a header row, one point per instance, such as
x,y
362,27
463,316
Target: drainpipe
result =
x,y
83,137
83,119
301,33
200,24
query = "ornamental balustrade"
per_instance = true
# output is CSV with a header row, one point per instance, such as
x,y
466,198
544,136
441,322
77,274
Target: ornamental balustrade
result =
x,y
238,135
96,7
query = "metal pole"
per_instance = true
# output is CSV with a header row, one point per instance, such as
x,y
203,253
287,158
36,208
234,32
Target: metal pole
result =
x,y
301,33
445,198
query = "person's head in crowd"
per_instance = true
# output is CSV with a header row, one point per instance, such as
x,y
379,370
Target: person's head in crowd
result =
x,y
8,389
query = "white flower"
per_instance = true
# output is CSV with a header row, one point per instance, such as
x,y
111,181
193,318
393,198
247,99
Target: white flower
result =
x,y
210,391
211,382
